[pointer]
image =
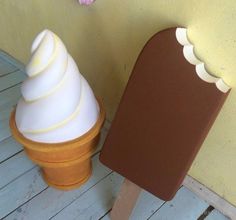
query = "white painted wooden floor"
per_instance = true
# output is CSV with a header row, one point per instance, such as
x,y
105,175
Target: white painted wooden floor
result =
x,y
24,195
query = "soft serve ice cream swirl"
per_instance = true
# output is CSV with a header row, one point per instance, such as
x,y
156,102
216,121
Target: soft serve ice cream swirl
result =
x,y
57,103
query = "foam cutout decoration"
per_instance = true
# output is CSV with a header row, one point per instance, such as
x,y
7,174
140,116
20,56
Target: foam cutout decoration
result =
x,y
167,109
57,103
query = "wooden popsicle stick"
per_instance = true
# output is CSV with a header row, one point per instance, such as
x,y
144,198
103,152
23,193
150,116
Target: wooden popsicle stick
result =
x,y
125,201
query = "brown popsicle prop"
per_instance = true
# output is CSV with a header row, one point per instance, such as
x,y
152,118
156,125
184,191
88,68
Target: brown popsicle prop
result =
x,y
164,115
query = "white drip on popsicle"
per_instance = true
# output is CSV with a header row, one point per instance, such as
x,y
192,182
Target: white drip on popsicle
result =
x,y
188,52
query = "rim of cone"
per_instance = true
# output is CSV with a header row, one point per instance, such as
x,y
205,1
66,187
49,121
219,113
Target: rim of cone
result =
x,y
47,147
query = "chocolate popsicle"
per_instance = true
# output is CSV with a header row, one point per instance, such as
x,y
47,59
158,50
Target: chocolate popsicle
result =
x,y
165,113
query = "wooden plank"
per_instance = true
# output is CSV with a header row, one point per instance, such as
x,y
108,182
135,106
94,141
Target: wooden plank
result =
x,y
11,60
8,98
50,201
20,191
106,217
96,202
14,167
8,148
148,204
125,201
216,215
4,129
11,79
210,197
185,206
6,67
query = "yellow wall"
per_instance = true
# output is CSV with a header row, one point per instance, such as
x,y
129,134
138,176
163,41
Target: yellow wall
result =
x,y
106,38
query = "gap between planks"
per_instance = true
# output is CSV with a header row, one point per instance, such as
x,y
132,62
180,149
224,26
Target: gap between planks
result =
x,y
210,197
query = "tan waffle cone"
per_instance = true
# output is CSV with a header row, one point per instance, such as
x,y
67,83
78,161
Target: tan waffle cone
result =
x,y
65,165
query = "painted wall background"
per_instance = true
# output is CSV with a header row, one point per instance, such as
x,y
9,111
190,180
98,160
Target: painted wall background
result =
x,y
105,40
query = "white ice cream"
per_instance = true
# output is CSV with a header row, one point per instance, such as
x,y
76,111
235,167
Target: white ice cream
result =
x,y
57,103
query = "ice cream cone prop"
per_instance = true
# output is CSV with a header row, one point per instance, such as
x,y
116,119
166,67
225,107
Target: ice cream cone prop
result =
x,y
65,165
58,118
